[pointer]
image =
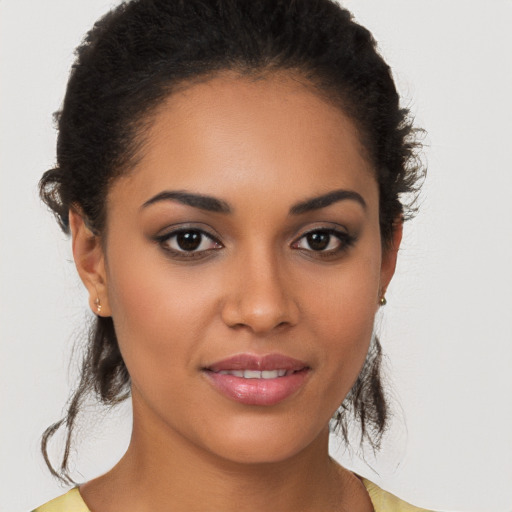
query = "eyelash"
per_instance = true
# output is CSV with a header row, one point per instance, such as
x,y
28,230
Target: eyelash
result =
x,y
164,240
345,242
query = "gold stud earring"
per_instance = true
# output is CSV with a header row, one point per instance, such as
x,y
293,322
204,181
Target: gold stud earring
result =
x,y
383,301
97,303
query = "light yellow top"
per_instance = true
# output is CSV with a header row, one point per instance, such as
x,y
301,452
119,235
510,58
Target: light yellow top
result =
x,y
382,502
69,502
386,502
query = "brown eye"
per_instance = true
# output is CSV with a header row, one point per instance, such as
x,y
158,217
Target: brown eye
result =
x,y
325,241
321,240
318,240
191,241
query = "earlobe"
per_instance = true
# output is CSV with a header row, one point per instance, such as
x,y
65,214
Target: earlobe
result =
x,y
90,262
389,258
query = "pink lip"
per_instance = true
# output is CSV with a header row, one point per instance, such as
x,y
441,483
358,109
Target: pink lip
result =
x,y
268,362
258,391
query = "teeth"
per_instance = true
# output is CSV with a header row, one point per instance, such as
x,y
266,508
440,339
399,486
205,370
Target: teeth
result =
x,y
255,374
252,374
235,373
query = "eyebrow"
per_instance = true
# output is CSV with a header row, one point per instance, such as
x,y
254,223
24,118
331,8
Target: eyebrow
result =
x,y
212,204
208,203
319,202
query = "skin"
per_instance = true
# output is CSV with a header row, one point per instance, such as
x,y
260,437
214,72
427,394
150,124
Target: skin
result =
x,y
257,286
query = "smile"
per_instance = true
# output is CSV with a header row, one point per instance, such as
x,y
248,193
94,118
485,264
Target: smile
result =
x,y
255,374
258,380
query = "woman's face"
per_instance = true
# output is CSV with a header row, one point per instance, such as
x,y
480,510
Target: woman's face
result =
x,y
243,267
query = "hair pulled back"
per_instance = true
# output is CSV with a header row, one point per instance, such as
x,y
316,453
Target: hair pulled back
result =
x,y
138,54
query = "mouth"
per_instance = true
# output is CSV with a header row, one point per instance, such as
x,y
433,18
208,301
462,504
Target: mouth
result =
x,y
255,374
258,380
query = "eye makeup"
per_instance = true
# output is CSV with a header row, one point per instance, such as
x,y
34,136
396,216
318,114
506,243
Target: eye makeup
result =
x,y
191,242
188,242
323,242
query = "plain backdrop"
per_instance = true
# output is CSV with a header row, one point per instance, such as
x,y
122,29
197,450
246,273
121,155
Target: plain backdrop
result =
x,y
447,329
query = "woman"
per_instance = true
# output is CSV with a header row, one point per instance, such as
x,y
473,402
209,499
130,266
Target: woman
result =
x,y
232,174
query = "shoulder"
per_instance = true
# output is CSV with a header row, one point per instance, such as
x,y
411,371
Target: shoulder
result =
x,y
386,502
69,502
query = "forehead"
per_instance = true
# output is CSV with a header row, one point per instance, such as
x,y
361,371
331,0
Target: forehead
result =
x,y
231,134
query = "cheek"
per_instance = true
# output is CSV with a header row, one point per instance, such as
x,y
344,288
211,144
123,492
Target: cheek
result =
x,y
341,312
166,315
159,313
345,299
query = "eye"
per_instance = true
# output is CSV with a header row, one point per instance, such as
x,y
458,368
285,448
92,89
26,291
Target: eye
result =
x,y
188,242
329,241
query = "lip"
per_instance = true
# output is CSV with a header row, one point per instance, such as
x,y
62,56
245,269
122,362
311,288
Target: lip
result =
x,y
267,362
258,391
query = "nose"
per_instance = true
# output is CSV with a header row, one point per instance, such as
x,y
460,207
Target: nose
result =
x,y
260,297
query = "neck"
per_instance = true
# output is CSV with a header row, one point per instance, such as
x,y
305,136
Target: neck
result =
x,y
162,469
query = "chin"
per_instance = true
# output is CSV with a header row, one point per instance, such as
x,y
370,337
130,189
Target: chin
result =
x,y
264,443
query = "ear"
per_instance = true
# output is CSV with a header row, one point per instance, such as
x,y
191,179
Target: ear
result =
x,y
90,262
389,256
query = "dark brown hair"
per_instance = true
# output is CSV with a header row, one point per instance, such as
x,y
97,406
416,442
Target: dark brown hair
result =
x,y
137,54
